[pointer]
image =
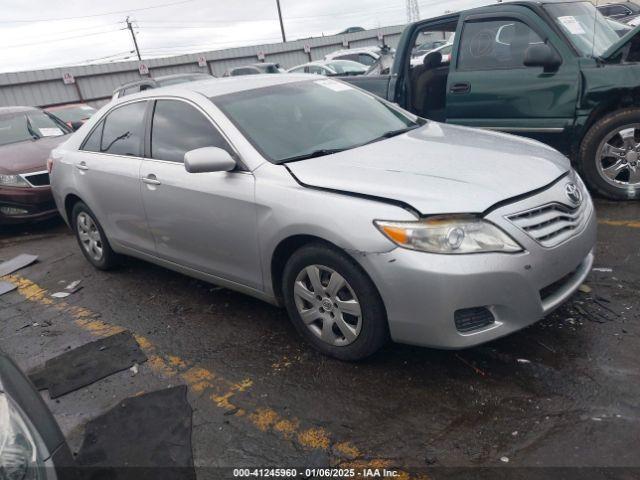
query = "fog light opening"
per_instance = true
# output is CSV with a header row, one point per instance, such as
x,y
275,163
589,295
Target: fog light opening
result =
x,y
471,319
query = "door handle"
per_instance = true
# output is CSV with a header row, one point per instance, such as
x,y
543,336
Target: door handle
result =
x,y
82,166
151,180
460,88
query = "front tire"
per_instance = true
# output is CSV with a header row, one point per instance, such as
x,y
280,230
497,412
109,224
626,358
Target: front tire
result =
x,y
91,238
609,156
333,304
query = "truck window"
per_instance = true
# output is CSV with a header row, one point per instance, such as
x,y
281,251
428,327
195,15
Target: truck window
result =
x,y
490,44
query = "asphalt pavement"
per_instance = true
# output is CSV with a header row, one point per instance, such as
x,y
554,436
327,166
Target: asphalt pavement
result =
x,y
564,392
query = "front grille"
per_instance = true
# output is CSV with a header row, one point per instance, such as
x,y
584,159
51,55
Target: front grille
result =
x,y
39,179
470,319
551,224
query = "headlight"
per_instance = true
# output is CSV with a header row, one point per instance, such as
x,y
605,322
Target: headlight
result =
x,y
19,456
12,181
449,235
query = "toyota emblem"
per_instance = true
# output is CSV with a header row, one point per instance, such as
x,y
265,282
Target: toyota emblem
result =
x,y
573,193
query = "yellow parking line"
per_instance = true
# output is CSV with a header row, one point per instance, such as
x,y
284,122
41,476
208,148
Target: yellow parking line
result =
x,y
621,223
220,391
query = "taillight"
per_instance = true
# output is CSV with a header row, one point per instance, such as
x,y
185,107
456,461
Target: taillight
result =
x,y
49,165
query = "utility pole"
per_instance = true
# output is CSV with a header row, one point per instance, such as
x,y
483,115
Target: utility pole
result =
x,y
133,35
284,37
413,11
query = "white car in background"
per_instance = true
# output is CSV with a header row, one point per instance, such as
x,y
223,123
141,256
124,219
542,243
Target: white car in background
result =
x,y
365,55
445,50
331,68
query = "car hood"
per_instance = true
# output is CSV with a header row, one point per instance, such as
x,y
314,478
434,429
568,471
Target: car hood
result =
x,y
29,156
438,168
621,43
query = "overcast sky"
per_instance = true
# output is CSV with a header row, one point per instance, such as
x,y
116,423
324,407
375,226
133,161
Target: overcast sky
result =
x,y
39,34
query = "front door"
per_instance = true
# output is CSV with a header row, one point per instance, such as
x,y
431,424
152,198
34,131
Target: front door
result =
x,y
202,221
490,87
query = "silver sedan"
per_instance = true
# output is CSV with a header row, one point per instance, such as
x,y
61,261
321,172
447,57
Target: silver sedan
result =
x,y
366,222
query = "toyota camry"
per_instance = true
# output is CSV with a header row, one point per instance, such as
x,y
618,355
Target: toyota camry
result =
x,y
365,222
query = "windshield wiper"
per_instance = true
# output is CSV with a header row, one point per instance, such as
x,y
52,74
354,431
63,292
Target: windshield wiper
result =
x,y
31,130
393,133
314,154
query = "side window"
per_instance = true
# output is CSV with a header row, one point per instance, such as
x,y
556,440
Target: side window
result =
x,y
177,128
487,45
618,10
365,59
123,130
316,70
350,56
92,143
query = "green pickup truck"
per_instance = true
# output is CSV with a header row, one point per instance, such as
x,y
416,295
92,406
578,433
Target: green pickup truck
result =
x,y
556,71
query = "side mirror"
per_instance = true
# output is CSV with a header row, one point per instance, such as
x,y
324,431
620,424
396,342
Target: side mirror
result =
x,y
544,56
208,159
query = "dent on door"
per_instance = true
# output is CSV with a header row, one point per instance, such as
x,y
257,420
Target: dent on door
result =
x,y
203,221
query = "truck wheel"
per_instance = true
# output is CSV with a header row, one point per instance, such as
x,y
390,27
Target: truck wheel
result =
x,y
91,238
609,155
333,304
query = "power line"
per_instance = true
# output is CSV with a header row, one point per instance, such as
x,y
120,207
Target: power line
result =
x,y
99,14
84,35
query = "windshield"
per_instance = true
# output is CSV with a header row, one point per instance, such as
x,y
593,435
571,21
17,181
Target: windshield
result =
x,y
23,126
297,119
587,29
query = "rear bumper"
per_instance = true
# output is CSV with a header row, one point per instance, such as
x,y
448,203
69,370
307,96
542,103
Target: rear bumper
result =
x,y
36,204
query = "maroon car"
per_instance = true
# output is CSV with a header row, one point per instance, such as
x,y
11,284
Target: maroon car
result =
x,y
27,136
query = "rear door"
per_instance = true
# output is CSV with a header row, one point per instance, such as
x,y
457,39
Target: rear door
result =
x,y
107,171
490,87
202,221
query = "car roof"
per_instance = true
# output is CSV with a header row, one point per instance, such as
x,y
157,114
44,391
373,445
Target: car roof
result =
x,y
222,86
16,109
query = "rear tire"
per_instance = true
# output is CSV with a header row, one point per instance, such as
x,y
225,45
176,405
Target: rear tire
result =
x,y
609,155
91,238
344,316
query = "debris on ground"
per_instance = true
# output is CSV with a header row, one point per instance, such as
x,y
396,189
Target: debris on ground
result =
x,y
134,370
504,459
60,294
603,269
16,263
523,360
6,287
152,430
584,288
476,369
87,364
73,287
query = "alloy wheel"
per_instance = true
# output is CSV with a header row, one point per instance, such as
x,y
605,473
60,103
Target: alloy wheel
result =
x,y
618,157
327,305
89,236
